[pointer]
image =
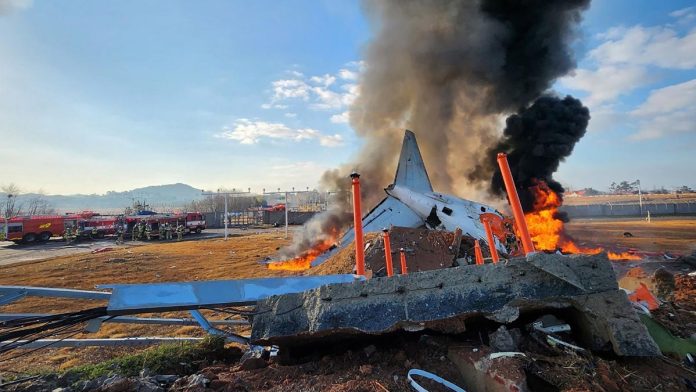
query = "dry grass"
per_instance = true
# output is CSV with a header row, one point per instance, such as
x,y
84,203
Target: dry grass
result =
x,y
677,235
236,258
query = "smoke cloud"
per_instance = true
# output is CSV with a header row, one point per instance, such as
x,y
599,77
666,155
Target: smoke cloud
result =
x,y
450,70
536,140
9,6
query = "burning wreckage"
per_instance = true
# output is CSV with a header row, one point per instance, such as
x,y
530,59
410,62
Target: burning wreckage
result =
x,y
518,286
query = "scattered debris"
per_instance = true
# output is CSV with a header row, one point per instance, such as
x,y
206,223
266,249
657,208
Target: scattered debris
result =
x,y
502,340
436,378
555,341
643,296
102,250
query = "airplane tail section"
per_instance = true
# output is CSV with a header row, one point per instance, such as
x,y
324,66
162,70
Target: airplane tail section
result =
x,y
411,170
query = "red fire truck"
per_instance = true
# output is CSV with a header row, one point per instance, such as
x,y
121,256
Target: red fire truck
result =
x,y
40,228
37,228
194,222
103,224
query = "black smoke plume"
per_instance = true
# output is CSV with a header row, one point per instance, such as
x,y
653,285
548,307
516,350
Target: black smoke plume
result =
x,y
537,139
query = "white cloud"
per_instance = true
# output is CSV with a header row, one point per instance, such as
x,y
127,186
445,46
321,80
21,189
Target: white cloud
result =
x,y
324,80
331,140
607,82
273,106
341,118
290,88
667,111
248,131
330,99
658,46
321,91
629,58
360,65
291,115
684,15
8,6
606,118
347,74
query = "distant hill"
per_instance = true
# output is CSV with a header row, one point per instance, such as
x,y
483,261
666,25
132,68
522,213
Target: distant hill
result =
x,y
158,197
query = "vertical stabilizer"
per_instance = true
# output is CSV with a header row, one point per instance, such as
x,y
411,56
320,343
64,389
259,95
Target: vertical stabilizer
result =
x,y
411,170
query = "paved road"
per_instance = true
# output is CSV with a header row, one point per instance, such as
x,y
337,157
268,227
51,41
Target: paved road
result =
x,y
11,253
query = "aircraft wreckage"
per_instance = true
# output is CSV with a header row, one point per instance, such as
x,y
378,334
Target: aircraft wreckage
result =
x,y
299,311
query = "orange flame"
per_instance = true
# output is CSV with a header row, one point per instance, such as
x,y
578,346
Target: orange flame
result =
x,y
304,260
548,231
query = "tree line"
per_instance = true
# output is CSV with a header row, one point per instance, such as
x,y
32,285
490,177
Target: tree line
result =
x,y
14,204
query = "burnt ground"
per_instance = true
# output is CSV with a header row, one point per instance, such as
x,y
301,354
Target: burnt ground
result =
x,y
382,365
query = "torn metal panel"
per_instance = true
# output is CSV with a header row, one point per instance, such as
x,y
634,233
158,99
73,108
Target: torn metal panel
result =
x,y
10,294
160,297
129,320
444,299
57,343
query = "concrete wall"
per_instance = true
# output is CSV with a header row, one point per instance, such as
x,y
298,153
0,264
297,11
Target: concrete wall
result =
x,y
213,220
294,218
627,210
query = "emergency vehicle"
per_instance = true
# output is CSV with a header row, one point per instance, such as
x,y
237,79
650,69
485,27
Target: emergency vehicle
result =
x,y
104,225
193,222
37,228
40,228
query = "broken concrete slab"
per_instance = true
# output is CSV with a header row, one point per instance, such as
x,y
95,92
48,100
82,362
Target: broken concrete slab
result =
x,y
446,300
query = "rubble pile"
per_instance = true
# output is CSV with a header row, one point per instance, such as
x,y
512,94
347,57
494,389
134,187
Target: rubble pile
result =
x,y
425,250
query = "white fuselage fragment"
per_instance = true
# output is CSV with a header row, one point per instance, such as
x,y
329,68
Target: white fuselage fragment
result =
x,y
452,212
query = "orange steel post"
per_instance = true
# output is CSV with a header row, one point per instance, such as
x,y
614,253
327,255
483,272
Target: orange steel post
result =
x,y
491,241
478,253
514,199
357,226
387,252
402,254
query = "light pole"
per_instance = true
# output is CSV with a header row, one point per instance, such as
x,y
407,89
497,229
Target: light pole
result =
x,y
7,217
286,203
233,193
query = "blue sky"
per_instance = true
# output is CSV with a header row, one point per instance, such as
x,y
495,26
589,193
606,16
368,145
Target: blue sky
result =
x,y
98,96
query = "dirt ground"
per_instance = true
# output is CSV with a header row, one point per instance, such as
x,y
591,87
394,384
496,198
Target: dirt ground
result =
x,y
239,258
664,234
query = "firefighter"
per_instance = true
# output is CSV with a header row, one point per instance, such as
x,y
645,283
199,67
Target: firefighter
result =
x,y
148,231
95,233
136,232
141,235
68,234
179,232
167,231
119,234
